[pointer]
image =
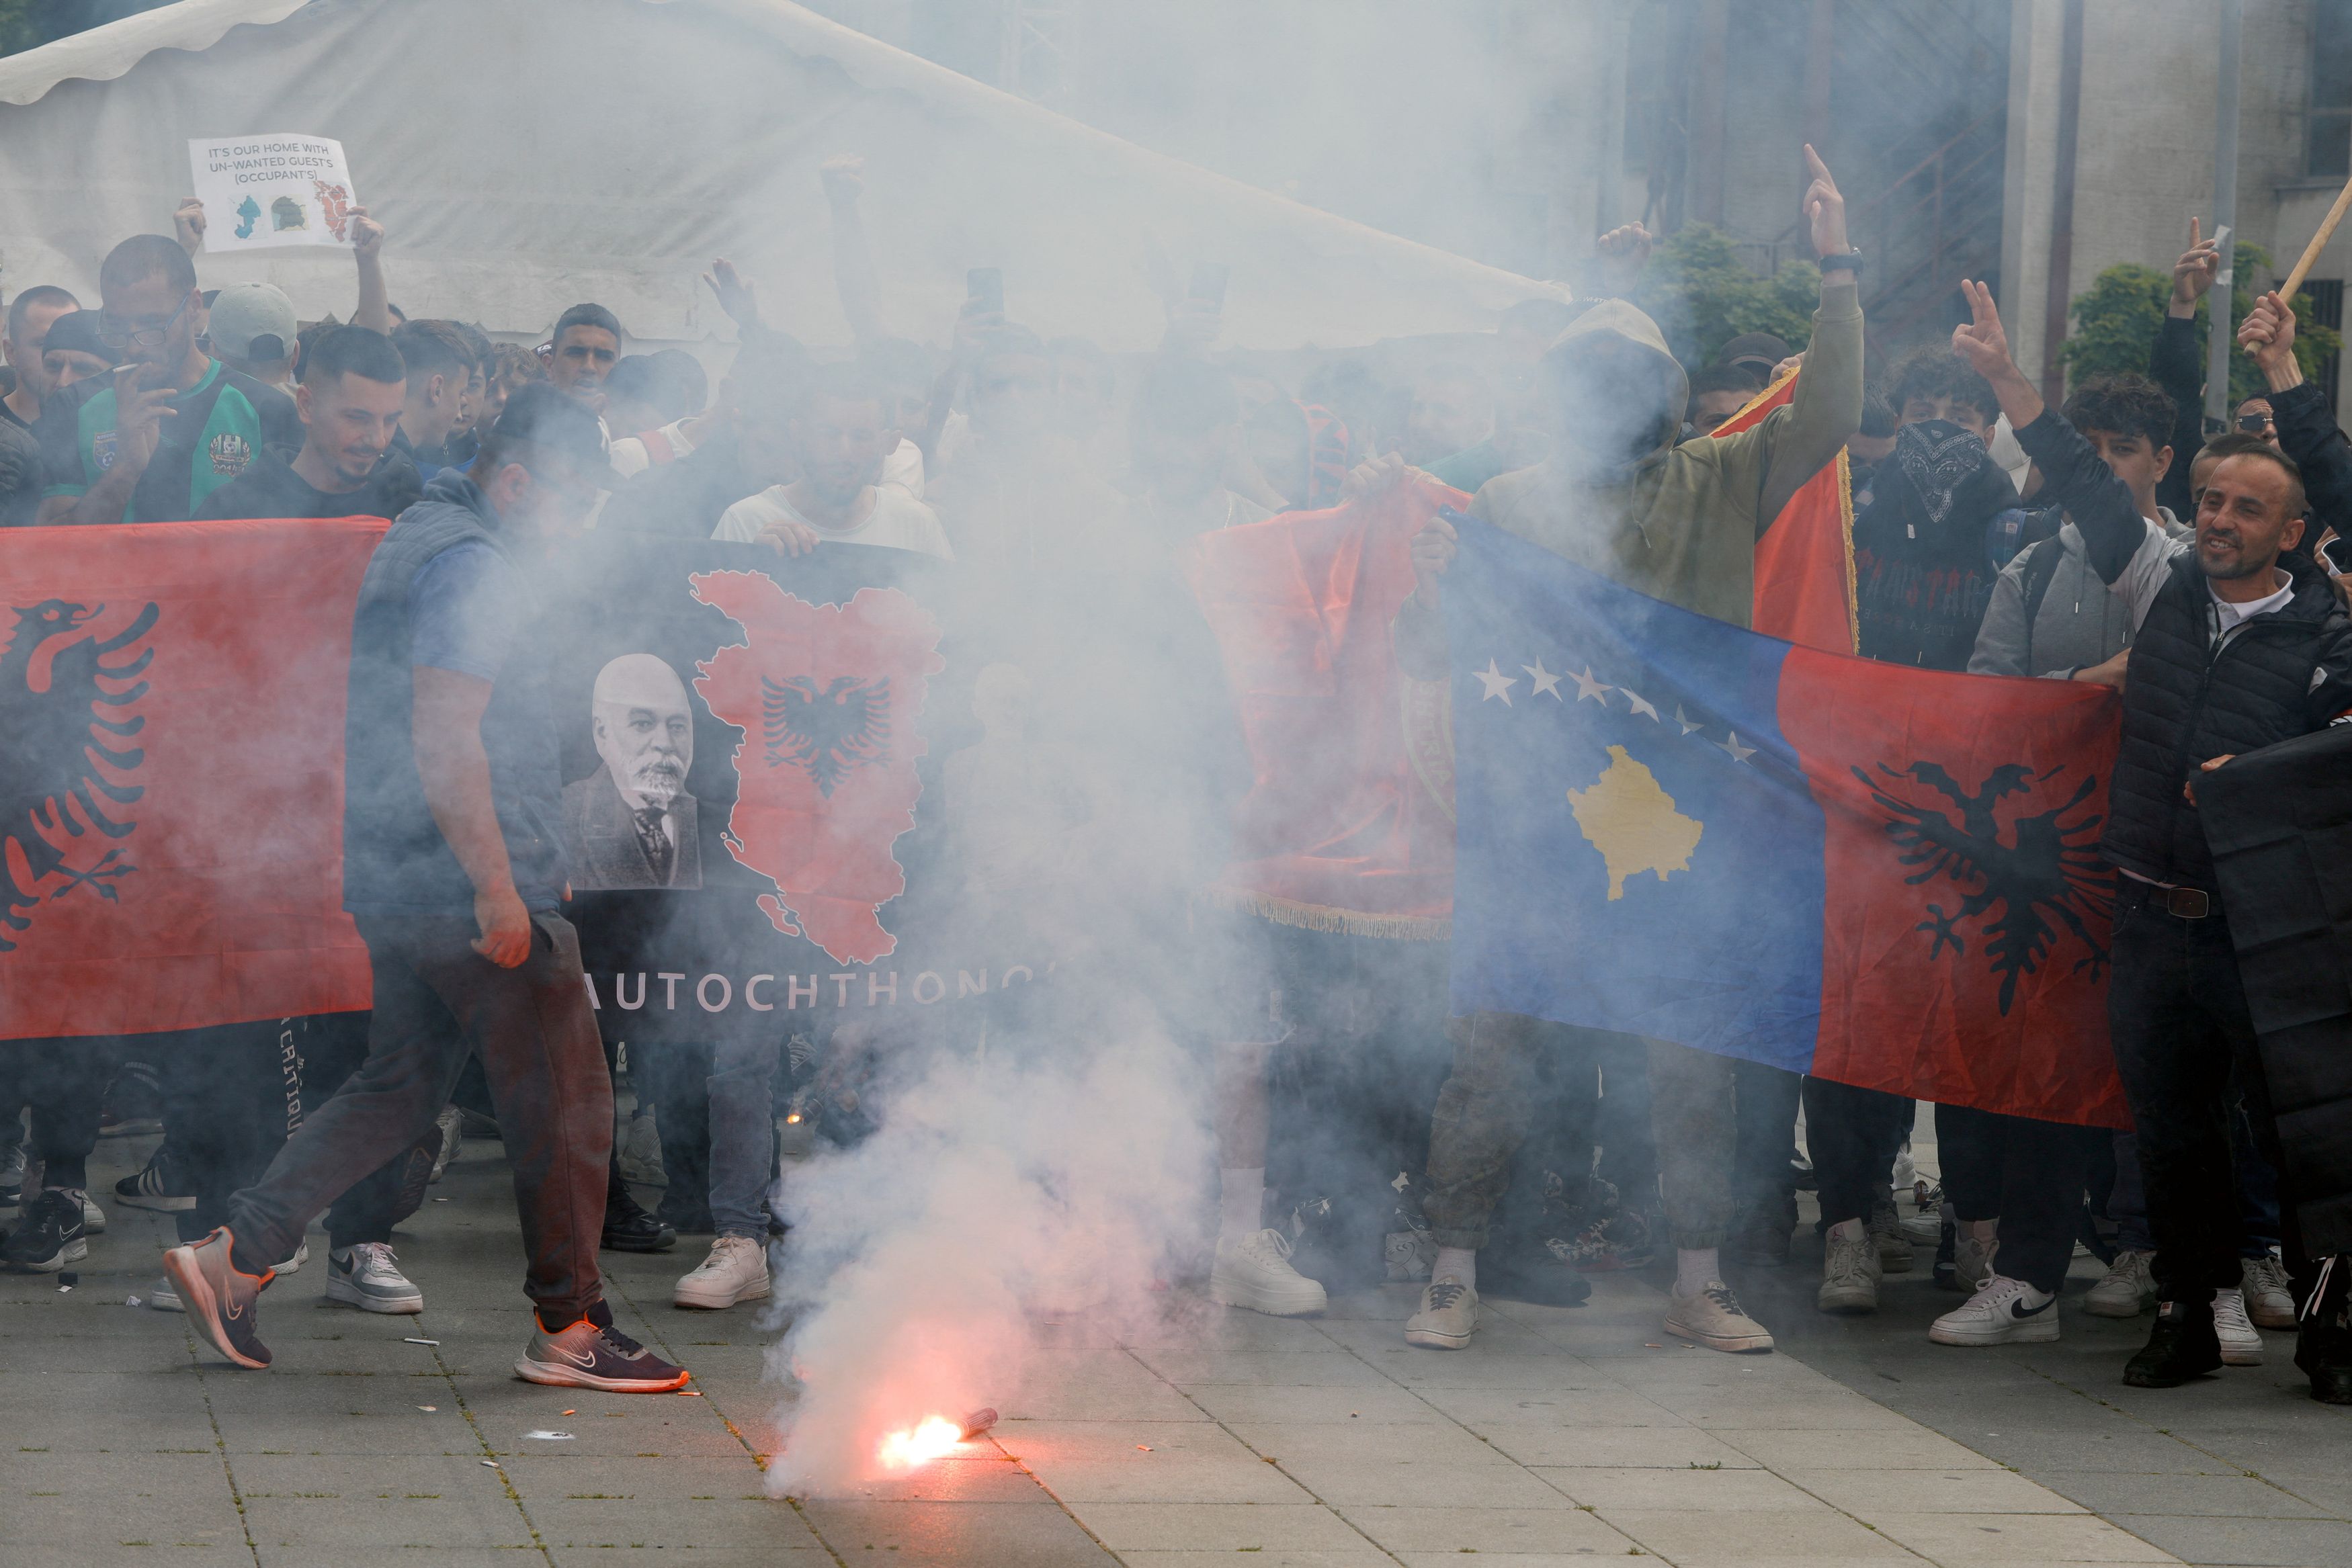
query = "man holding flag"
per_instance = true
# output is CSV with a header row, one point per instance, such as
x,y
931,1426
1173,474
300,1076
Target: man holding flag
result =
x,y
2238,645
1620,496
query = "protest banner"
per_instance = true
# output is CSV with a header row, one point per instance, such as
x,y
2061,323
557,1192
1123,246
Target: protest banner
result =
x,y
261,192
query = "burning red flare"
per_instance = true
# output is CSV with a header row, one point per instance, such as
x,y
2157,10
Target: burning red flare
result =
x,y
936,1436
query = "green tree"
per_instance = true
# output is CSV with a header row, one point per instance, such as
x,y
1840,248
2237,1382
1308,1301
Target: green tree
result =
x,y
1702,295
2118,317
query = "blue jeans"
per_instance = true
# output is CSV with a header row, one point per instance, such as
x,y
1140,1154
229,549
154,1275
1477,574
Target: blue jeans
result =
x,y
742,1136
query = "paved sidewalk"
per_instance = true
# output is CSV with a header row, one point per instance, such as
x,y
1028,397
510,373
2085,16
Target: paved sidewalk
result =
x,y
1565,1434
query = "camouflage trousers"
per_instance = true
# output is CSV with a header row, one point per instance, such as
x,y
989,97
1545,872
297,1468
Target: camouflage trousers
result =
x,y
1484,1111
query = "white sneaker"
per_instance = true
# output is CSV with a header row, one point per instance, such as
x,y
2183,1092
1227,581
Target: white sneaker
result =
x,y
1253,1270
294,1265
2128,1289
2003,1312
1448,1316
736,1271
165,1297
367,1276
1713,1318
2270,1298
1972,1261
2241,1345
1850,1268
93,1218
452,1124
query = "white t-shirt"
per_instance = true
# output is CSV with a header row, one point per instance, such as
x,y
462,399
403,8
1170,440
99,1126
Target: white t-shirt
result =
x,y
897,521
904,468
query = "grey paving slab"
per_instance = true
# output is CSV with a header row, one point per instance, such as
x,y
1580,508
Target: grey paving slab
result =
x,y
2228,1497
1487,1531
1221,1527
2263,1544
967,1534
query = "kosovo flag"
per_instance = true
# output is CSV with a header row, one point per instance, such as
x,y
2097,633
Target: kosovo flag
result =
x,y
1671,827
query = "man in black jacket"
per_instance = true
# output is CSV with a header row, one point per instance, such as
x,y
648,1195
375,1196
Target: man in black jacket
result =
x,y
2234,651
353,383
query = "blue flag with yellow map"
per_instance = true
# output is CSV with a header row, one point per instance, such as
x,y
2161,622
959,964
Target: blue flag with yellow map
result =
x,y
1671,827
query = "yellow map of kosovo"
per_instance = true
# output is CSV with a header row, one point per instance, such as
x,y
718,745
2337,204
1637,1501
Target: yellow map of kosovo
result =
x,y
1632,821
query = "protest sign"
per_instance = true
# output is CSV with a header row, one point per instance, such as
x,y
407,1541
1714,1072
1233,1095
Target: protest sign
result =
x,y
275,189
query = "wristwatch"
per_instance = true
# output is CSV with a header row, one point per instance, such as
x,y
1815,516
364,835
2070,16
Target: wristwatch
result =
x,y
1849,261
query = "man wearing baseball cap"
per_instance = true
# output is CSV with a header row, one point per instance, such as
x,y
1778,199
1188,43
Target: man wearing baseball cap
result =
x,y
454,869
252,330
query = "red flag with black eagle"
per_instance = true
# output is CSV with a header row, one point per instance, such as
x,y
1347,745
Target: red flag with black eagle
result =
x,y
171,701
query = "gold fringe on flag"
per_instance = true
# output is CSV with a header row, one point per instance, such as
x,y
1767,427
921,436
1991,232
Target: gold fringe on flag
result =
x,y
1339,921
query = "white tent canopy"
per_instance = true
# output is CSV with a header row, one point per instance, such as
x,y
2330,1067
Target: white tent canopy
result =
x,y
528,153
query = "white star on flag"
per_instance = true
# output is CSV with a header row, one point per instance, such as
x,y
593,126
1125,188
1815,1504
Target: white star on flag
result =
x,y
1497,684
1545,681
1739,753
1640,705
1586,687
1683,719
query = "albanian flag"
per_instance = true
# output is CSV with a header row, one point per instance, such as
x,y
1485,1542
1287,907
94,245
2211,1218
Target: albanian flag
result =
x,y
1674,828
1804,561
171,774
1348,824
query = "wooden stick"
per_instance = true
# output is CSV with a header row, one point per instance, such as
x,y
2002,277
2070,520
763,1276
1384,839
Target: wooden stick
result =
x,y
2318,243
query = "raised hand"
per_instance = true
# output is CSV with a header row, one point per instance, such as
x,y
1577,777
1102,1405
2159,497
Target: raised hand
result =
x,y
2267,334
736,294
1983,342
188,223
1624,252
2194,273
367,234
1824,207
845,178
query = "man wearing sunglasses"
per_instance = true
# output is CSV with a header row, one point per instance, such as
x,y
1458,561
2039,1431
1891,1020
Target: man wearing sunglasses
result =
x,y
148,442
2255,418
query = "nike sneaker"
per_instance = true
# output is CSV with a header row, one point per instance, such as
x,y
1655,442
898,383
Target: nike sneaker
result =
x,y
2003,1312
219,1297
592,1354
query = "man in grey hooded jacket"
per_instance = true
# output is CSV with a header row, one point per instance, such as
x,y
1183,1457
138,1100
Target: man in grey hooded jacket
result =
x,y
2051,614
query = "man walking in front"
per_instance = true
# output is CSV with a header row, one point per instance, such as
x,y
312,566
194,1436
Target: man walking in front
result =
x,y
453,869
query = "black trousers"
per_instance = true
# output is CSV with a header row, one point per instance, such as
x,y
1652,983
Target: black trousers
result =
x,y
2029,1176
1853,1135
1762,1174
233,1094
64,1083
2178,1013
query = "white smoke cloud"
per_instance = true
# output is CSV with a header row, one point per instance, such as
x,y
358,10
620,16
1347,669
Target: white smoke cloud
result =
x,y
1000,1182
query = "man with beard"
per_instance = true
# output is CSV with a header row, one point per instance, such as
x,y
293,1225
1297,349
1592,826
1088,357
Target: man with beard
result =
x,y
2238,644
350,402
840,437
632,824
1616,494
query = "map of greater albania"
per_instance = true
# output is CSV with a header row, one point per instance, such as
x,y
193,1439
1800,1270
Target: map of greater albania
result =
x,y
828,697
1628,816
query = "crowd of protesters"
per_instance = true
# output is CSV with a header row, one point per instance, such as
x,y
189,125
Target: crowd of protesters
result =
x,y
2111,539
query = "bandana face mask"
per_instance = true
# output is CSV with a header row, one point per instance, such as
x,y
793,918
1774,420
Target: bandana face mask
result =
x,y
1939,457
